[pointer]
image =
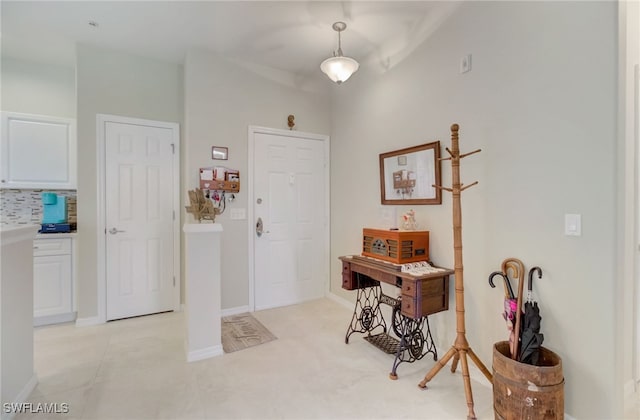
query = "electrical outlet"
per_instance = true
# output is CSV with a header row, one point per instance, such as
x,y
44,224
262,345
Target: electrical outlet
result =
x,y
465,64
238,214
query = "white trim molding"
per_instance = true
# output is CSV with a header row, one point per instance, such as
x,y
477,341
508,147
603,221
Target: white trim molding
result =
x,y
101,120
235,311
201,354
22,396
92,320
252,131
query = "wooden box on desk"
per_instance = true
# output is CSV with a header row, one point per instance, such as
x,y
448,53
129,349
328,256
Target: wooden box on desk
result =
x,y
396,246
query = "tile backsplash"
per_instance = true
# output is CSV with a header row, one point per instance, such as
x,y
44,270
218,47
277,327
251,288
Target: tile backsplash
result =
x,y
21,207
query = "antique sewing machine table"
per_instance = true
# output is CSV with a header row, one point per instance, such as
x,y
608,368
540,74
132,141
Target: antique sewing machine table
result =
x,y
420,296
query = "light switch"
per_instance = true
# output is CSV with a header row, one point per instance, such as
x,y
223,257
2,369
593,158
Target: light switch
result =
x,y
238,214
465,64
572,225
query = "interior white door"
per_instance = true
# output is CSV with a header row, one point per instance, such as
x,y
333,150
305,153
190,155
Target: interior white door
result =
x,y
289,199
139,219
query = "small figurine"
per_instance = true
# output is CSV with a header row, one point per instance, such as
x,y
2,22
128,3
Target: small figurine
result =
x,y
409,220
201,207
290,122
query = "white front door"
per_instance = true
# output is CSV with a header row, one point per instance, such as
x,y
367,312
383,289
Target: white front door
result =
x,y
290,199
139,219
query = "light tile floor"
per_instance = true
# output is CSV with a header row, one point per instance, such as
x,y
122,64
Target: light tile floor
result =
x,y
136,369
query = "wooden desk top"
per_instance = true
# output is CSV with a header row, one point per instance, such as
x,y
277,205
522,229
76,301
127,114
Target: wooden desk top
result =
x,y
390,268
421,295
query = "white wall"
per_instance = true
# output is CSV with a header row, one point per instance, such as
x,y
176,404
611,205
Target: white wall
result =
x,y
37,88
222,99
17,376
541,103
120,84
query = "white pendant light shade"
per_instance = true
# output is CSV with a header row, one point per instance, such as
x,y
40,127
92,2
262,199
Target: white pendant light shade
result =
x,y
339,68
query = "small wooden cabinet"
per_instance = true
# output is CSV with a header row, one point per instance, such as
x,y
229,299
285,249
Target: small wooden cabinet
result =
x,y
53,280
38,152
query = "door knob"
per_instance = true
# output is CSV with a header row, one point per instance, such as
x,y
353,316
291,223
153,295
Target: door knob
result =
x,y
113,231
260,227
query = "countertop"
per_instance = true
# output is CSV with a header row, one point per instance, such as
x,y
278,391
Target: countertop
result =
x,y
15,233
73,234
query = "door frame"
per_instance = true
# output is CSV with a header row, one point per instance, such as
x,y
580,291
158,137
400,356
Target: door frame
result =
x,y
101,225
253,130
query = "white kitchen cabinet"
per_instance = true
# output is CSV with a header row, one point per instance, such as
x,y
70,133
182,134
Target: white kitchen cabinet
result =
x,y
38,152
53,280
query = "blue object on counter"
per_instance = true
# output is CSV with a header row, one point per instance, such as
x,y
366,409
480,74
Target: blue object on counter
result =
x,y
54,208
56,227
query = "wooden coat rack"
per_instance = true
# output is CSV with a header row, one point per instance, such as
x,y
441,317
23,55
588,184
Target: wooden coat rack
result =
x,y
460,348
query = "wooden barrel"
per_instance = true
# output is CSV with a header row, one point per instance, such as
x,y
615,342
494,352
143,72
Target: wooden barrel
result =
x,y
522,391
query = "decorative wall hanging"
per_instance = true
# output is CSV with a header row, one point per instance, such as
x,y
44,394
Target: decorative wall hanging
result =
x,y
408,176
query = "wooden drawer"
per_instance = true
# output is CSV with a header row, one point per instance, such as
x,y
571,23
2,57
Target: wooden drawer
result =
x,y
433,287
417,308
410,288
347,282
424,297
53,246
350,281
415,288
346,268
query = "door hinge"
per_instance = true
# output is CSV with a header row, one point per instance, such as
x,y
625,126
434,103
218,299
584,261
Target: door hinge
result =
x,y
174,281
173,148
174,215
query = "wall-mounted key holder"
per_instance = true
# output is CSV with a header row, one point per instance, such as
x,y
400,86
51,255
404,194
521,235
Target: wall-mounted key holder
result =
x,y
209,180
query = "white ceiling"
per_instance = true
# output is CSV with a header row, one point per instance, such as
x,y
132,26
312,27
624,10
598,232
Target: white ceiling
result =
x,y
293,36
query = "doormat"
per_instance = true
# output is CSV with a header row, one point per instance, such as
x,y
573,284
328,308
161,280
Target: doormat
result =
x,y
243,331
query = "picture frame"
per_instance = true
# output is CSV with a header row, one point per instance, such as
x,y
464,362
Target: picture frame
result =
x,y
407,175
219,153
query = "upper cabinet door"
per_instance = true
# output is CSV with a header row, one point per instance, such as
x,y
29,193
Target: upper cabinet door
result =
x,y
38,152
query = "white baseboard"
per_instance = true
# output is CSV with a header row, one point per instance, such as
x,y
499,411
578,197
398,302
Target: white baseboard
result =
x,y
54,319
340,300
206,353
22,396
85,322
235,311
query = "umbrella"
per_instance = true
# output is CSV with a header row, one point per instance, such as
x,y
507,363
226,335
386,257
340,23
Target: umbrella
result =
x,y
510,303
530,336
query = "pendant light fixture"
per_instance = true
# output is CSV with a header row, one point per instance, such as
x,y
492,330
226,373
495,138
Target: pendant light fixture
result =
x,y
339,68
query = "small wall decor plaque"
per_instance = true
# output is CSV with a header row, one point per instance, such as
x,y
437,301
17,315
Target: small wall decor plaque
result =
x,y
219,153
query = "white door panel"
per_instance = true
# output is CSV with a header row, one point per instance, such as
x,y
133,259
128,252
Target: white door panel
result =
x,y
139,219
289,180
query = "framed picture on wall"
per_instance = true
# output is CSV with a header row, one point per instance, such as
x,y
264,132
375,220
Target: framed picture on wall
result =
x,y
407,176
219,153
